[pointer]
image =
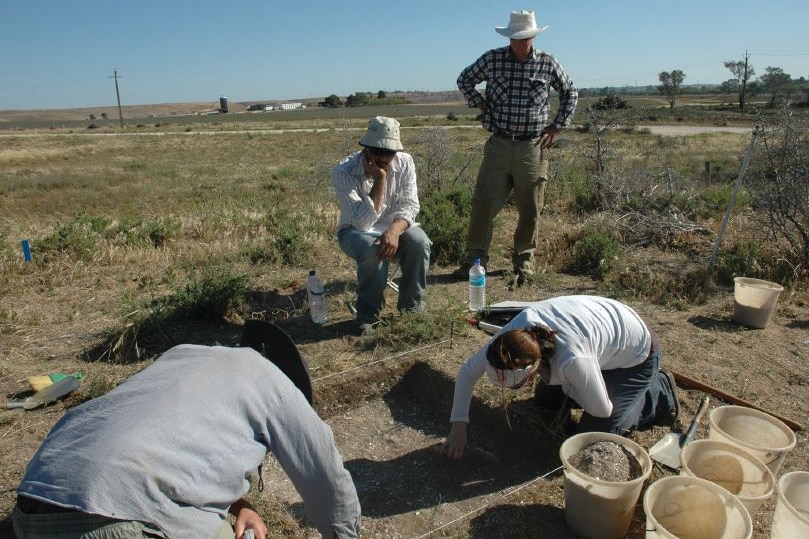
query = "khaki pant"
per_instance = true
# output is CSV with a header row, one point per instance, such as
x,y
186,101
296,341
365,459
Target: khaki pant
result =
x,y
508,165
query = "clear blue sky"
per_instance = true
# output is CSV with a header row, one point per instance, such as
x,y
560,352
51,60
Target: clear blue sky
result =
x,y
61,54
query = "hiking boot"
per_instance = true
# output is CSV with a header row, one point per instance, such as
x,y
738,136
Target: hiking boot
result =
x,y
520,277
675,410
462,273
365,328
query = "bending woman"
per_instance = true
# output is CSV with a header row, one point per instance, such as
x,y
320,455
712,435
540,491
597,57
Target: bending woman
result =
x,y
595,350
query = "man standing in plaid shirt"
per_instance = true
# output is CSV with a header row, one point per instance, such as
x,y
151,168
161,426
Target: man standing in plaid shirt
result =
x,y
515,110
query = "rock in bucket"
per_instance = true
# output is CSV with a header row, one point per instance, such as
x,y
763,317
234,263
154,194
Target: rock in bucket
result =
x,y
598,508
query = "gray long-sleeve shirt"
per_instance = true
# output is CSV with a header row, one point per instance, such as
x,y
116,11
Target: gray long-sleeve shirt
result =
x,y
176,444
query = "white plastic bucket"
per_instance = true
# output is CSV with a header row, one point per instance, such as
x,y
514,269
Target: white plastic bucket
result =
x,y
598,509
791,518
754,301
685,507
760,434
730,467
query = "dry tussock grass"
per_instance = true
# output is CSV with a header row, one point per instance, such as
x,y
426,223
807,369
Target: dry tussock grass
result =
x,y
221,190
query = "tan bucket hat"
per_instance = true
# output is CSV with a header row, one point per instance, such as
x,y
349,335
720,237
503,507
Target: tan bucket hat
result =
x,y
382,133
521,25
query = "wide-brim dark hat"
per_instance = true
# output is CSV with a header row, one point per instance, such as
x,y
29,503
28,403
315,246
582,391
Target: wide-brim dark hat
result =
x,y
273,343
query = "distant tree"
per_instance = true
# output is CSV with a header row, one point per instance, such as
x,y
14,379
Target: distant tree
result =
x,y
730,86
358,99
776,82
611,102
381,94
671,85
743,73
333,101
103,115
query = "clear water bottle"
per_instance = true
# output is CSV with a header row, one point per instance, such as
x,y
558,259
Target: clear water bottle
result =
x,y
477,286
318,309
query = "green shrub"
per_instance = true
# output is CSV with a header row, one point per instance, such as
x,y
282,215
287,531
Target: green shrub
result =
x,y
661,285
445,217
153,232
584,197
78,238
413,329
208,297
739,260
288,243
595,254
750,259
713,201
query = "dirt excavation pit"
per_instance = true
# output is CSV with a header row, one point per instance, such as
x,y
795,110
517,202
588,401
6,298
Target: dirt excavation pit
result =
x,y
389,442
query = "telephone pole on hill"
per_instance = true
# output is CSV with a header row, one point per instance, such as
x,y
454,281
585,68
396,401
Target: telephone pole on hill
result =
x,y
118,95
744,81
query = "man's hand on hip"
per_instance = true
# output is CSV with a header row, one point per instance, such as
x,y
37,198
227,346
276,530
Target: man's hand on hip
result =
x,y
547,137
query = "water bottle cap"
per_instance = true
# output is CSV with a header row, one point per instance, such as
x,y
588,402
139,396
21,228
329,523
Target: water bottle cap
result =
x,y
477,262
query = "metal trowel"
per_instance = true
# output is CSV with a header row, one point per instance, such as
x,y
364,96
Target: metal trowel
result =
x,y
667,450
48,394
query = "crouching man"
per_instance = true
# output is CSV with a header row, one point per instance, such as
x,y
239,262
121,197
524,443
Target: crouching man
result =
x,y
170,451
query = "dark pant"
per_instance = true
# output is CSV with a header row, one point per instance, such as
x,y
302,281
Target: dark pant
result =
x,y
640,395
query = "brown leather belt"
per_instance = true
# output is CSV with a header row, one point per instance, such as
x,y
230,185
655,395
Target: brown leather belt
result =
x,y
31,506
516,137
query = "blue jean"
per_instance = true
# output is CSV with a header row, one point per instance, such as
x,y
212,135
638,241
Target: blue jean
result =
x,y
640,397
413,256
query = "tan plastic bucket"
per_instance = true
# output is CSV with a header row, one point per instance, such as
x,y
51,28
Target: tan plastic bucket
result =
x,y
685,507
730,467
791,518
598,509
760,434
754,301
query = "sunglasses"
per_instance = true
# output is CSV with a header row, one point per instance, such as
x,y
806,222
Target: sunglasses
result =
x,y
379,152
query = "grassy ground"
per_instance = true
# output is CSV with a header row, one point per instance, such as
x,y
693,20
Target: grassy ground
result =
x,y
121,224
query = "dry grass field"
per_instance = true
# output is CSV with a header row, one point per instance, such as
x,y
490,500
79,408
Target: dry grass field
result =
x,y
122,223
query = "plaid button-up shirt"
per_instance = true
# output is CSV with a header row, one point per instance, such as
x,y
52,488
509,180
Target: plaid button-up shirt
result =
x,y
518,93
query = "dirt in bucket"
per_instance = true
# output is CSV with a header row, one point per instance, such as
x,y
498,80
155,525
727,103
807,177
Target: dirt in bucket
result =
x,y
607,461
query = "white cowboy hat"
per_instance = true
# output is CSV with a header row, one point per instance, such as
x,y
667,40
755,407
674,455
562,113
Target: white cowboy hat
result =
x,y
382,133
521,25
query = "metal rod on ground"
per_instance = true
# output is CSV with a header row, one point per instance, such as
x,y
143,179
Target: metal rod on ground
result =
x,y
736,188
687,381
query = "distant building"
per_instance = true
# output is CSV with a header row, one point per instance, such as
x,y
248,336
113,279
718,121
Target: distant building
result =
x,y
288,106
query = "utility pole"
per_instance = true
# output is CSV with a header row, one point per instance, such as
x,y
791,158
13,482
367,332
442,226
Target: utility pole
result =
x,y
118,95
744,81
